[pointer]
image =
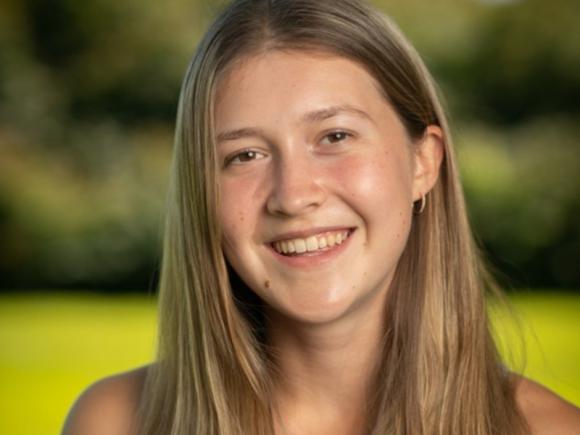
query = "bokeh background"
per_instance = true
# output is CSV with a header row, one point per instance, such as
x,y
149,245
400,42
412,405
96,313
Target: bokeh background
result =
x,y
88,94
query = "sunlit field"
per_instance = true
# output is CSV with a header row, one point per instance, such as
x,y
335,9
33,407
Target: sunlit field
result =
x,y
53,346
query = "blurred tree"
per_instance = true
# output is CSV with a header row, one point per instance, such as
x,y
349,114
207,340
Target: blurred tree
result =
x,y
88,94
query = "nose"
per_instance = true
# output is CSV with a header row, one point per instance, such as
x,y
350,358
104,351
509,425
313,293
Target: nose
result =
x,y
297,187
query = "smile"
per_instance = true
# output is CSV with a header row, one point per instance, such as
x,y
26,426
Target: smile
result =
x,y
314,243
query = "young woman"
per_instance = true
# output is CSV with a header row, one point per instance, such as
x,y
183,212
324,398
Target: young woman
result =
x,y
319,275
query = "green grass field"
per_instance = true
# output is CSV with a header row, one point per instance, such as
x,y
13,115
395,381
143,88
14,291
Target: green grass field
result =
x,y
53,346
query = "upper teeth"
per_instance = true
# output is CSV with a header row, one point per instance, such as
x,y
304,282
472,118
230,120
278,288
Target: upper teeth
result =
x,y
312,243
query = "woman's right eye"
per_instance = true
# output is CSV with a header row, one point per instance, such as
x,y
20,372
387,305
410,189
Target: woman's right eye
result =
x,y
243,157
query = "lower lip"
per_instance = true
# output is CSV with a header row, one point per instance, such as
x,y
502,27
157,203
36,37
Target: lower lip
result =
x,y
314,258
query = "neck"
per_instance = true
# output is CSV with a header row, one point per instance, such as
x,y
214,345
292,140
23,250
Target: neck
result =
x,y
324,370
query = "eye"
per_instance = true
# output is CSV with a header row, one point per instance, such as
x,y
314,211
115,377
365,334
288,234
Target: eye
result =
x,y
243,157
335,137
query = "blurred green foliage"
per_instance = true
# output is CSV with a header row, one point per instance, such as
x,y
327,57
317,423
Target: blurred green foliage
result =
x,y
55,345
88,92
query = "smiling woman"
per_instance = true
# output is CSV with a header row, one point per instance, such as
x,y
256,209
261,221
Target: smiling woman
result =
x,y
319,274
299,189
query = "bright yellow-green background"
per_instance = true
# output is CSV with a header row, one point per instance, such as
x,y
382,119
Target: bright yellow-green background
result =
x,y
51,347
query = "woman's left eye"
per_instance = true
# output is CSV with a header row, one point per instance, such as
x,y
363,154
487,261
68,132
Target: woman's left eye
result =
x,y
242,157
335,137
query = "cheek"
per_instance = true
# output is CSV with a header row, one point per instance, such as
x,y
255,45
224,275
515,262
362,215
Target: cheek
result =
x,y
378,181
233,209
379,189
239,210
233,219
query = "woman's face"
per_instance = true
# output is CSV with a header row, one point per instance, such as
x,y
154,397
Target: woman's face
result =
x,y
318,177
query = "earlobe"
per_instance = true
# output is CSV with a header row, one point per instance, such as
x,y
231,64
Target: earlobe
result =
x,y
428,157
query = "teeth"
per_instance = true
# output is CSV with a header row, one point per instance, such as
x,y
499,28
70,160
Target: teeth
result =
x,y
331,240
310,244
300,245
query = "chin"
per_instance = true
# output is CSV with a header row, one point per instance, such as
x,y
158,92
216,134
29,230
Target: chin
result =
x,y
322,309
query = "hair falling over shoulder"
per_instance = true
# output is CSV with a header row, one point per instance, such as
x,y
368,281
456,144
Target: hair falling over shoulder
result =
x,y
440,372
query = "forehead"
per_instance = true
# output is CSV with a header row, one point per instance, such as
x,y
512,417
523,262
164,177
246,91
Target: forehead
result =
x,y
294,82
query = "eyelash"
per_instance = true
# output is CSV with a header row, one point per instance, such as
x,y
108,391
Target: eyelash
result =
x,y
345,135
258,156
231,159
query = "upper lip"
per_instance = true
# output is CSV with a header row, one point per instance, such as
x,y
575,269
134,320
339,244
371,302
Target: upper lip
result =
x,y
303,234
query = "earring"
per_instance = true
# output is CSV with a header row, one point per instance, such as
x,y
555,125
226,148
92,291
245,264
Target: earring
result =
x,y
418,209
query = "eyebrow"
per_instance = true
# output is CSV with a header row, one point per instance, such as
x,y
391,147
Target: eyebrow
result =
x,y
329,112
309,117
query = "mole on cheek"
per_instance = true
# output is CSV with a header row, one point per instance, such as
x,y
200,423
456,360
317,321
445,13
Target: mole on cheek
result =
x,y
267,284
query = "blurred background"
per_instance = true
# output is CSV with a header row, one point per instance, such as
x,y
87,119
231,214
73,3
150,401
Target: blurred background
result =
x,y
88,94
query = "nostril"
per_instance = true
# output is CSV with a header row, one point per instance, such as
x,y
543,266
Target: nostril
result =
x,y
293,206
294,194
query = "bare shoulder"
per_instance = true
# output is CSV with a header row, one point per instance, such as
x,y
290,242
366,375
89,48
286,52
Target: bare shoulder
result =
x,y
108,406
546,412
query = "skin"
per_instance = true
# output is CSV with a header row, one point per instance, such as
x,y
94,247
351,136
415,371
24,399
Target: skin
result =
x,y
284,171
288,171
302,177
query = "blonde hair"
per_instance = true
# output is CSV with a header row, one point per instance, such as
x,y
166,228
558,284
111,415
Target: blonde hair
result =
x,y
439,371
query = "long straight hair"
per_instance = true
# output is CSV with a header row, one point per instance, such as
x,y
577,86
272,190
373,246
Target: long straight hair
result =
x,y
439,370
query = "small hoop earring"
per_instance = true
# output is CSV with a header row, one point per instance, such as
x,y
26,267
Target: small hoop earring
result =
x,y
417,210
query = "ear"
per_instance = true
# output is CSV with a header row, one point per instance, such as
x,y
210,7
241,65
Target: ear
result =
x,y
427,160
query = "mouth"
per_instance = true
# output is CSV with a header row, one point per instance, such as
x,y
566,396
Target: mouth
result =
x,y
311,245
